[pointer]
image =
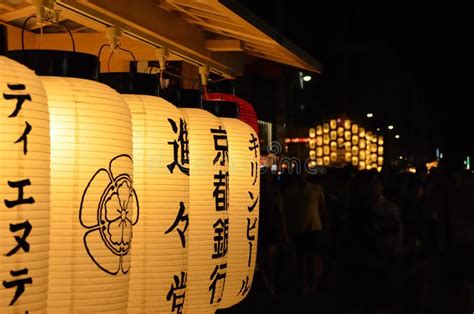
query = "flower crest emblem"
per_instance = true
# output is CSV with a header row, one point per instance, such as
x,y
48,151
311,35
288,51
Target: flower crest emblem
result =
x,y
107,212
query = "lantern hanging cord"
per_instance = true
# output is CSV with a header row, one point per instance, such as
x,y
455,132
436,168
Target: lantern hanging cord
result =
x,y
110,58
70,35
100,50
23,31
126,50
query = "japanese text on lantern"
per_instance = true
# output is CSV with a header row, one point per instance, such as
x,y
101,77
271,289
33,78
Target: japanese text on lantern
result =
x,y
180,145
221,226
20,229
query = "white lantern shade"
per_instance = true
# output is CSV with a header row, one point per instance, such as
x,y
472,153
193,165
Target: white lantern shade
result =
x,y
25,203
208,216
161,179
93,203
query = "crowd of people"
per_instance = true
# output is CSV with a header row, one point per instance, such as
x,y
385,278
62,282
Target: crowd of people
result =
x,y
390,242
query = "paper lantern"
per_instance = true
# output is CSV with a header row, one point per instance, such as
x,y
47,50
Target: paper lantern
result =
x,y
244,174
312,132
333,157
362,155
161,180
347,135
208,216
333,124
355,140
374,166
319,161
326,160
333,135
380,161
340,131
380,140
374,139
355,150
373,158
379,169
312,164
361,165
368,166
24,208
333,146
93,202
362,143
326,139
348,156
355,161
319,130
312,154
319,140
319,151
362,132
380,150
326,150
368,136
347,124
373,148
355,128
340,142
326,128
312,144
347,146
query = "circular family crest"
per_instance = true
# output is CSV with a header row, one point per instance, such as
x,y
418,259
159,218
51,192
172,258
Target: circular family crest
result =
x,y
109,209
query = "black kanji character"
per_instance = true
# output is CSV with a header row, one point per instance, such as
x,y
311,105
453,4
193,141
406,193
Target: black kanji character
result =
x,y
220,145
180,218
181,144
21,200
21,241
221,238
23,138
215,277
221,190
253,144
177,292
20,98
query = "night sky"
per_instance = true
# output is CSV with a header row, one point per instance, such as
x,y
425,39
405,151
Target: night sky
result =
x,y
410,63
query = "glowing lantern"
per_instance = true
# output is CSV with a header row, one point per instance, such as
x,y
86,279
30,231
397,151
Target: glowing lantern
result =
x,y
355,128
355,161
333,135
380,150
319,151
319,130
333,157
355,150
326,150
347,146
243,222
355,140
325,128
380,161
161,180
312,144
368,136
326,160
374,139
93,202
25,204
362,155
368,166
362,143
319,161
373,157
348,157
380,140
361,165
340,132
347,124
347,135
373,148
340,142
379,169
374,166
333,124
312,164
326,139
312,132
319,140
333,146
312,154
208,201
362,133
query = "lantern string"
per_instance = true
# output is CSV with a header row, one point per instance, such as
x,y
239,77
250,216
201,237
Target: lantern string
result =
x,y
70,35
110,58
23,31
126,50
100,50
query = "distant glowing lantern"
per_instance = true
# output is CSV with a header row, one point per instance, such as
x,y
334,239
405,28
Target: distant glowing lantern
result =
x,y
25,203
362,132
355,161
319,161
348,157
368,136
333,124
380,150
333,146
319,130
355,128
347,146
208,215
161,180
333,135
361,165
326,139
347,135
340,142
347,124
312,164
355,150
373,158
380,161
362,143
244,176
374,139
312,144
380,140
340,132
333,157
93,201
312,132
374,166
373,148
368,166
362,155
326,161
355,140
326,128
326,150
319,151
312,154
319,140
379,169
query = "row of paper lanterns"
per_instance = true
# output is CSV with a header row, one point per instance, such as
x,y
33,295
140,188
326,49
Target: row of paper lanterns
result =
x,y
342,141
96,169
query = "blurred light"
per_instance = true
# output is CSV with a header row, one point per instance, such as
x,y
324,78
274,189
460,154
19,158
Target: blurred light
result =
x,y
378,129
370,115
468,162
397,136
307,78
390,127
401,157
412,170
440,155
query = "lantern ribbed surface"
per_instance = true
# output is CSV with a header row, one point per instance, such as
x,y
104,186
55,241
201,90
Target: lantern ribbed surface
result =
x,y
206,278
244,178
24,166
160,240
93,203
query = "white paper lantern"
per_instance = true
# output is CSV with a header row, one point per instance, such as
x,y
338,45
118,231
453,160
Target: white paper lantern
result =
x,y
25,203
244,178
208,216
92,197
161,179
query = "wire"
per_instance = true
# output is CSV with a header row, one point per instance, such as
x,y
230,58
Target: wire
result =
x,y
110,58
70,35
23,31
100,50
126,50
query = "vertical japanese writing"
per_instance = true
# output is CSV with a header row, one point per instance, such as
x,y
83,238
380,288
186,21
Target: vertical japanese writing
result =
x,y
180,147
177,293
